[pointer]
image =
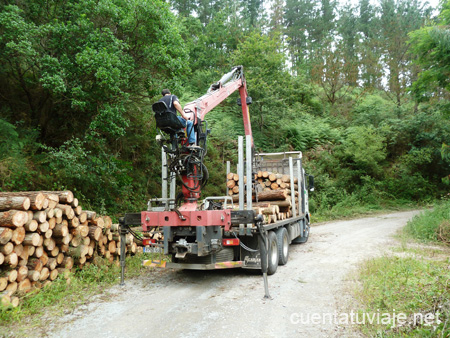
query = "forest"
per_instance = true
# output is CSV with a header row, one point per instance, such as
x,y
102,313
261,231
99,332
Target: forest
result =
x,y
361,88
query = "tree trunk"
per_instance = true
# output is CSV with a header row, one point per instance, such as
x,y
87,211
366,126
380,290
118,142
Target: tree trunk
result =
x,y
31,239
5,235
14,202
36,198
64,196
13,218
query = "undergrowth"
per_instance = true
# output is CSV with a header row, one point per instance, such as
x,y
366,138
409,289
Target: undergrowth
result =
x,y
70,291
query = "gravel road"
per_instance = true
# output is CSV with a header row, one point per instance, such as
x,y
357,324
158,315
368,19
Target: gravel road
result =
x,y
307,293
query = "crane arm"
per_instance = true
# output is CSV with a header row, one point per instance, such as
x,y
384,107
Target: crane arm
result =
x,y
218,92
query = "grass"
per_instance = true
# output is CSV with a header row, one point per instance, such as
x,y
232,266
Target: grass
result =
x,y
413,281
68,293
433,225
347,210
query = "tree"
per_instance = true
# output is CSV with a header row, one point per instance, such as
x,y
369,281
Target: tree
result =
x,y
432,47
397,20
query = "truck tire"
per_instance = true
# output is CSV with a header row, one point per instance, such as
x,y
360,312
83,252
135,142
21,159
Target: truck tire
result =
x,y
273,254
283,246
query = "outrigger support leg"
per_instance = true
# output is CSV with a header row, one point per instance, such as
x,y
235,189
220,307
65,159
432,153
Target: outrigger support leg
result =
x,y
264,253
123,230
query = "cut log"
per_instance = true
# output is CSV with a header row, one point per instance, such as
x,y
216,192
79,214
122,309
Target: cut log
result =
x,y
48,234
32,239
67,210
2,258
50,212
51,223
235,189
43,227
49,243
31,225
108,222
33,275
274,186
74,203
31,250
25,253
24,286
87,240
60,258
91,214
54,252
12,259
58,213
53,200
45,272
38,252
74,222
82,217
36,198
95,232
7,248
14,202
51,263
230,176
40,216
11,275
3,283
231,184
272,177
75,242
99,222
64,196
53,274
67,262
41,241
18,249
78,210
236,177
5,235
62,240
112,247
60,230
22,273
13,218
12,287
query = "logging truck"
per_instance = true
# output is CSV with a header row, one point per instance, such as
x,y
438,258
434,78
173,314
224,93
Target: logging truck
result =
x,y
251,227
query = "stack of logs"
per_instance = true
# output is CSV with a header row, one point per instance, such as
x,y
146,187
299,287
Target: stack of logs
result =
x,y
274,194
46,233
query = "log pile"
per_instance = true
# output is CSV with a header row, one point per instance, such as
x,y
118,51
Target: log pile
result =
x,y
273,192
44,234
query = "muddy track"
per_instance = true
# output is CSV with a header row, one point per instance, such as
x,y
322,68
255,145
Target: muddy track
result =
x,y
228,303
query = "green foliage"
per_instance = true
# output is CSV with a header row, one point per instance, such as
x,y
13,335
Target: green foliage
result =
x,y
411,285
432,46
432,225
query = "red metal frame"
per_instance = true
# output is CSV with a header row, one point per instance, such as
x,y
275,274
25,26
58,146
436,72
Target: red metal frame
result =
x,y
150,219
211,100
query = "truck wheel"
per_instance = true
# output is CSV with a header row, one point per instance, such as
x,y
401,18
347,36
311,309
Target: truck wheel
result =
x,y
283,245
273,253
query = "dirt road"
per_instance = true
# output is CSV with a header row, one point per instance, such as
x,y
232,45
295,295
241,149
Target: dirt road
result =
x,y
308,293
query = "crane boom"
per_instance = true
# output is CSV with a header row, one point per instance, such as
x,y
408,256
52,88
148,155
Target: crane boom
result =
x,y
218,92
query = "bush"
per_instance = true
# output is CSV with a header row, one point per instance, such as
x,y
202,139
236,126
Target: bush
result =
x,y
432,225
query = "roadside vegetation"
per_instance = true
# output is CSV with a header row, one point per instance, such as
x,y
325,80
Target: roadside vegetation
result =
x,y
413,281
